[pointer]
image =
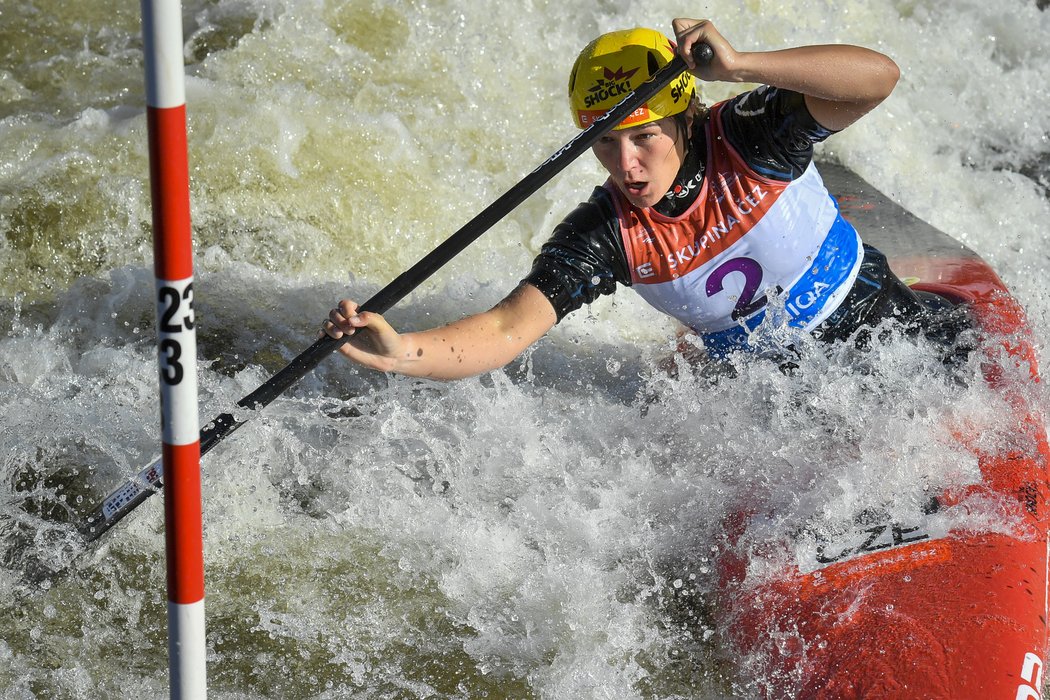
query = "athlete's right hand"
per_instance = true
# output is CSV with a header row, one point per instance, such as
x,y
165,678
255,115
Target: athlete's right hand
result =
x,y
379,348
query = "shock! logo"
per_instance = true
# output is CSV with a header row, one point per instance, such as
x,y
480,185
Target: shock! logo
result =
x,y
615,83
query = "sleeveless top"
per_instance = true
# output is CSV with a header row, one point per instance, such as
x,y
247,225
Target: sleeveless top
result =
x,y
747,245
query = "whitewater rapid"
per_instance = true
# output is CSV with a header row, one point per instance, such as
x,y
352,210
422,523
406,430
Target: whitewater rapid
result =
x,y
547,531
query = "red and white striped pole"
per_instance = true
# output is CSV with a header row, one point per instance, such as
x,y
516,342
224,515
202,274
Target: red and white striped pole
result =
x,y
177,345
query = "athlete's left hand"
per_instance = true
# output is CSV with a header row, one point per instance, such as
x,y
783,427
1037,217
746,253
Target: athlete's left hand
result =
x,y
690,32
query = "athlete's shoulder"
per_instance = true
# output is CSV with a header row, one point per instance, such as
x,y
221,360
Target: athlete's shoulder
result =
x,y
595,214
584,257
776,105
773,130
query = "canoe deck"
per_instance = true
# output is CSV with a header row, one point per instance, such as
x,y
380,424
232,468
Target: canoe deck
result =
x,y
899,609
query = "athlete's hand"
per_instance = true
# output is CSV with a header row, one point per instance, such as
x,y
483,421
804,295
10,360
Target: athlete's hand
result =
x,y
379,348
690,32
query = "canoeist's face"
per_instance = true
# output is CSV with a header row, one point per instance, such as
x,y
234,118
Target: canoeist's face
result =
x,y
643,160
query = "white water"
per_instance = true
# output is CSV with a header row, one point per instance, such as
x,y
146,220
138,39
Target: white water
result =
x,y
533,533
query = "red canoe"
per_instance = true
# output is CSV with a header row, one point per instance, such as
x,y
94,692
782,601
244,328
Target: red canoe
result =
x,y
906,609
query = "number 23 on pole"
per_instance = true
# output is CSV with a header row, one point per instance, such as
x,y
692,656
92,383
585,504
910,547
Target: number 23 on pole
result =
x,y
175,311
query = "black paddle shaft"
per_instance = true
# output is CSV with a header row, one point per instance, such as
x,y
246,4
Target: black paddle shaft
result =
x,y
132,493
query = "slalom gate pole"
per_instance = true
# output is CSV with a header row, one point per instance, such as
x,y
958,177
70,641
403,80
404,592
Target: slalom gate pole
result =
x,y
176,345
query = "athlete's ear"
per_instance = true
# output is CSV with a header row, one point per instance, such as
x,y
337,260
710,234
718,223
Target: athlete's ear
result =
x,y
683,126
690,119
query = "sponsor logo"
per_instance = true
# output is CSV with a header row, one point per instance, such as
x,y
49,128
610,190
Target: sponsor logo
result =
x,y
681,191
589,117
807,298
678,89
613,84
744,206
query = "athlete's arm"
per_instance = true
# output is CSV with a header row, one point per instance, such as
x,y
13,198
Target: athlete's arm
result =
x,y
841,83
470,346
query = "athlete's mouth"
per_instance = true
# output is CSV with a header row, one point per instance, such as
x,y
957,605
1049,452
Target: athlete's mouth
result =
x,y
635,187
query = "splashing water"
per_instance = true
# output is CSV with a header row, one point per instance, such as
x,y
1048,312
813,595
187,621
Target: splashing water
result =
x,y
548,531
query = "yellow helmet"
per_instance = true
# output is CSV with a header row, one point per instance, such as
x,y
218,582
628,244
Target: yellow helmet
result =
x,y
616,63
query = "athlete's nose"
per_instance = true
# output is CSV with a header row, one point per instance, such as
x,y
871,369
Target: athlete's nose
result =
x,y
626,156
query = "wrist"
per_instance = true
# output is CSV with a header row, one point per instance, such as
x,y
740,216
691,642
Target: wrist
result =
x,y
747,67
406,360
